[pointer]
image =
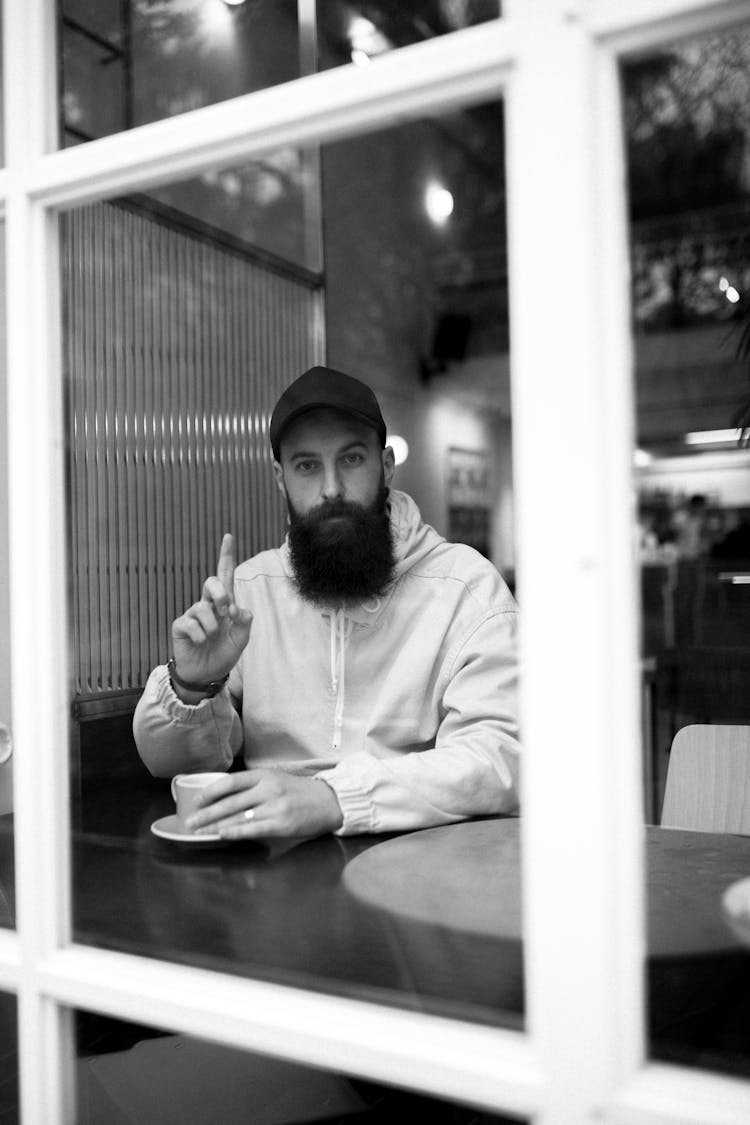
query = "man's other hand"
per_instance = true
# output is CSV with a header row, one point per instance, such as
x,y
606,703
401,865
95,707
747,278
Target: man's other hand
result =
x,y
251,804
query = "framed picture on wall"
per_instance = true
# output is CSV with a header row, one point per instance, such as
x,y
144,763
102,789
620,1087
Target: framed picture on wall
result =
x,y
469,498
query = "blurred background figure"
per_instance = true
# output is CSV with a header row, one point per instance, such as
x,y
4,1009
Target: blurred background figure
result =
x,y
648,540
692,532
692,547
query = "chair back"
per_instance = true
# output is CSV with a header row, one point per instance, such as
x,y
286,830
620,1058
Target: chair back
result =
x,y
708,779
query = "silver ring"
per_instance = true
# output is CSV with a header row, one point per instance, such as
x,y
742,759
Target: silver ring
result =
x,y
249,814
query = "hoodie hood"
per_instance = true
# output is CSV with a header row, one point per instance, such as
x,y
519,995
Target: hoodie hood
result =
x,y
413,539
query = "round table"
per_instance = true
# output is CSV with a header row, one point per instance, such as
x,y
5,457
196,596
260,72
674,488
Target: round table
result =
x,y
467,877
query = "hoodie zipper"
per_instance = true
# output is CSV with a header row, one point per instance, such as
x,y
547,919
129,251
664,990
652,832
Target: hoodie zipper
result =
x,y
341,628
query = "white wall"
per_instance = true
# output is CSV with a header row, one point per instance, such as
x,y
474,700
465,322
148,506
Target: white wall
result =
x,y
724,477
432,420
503,516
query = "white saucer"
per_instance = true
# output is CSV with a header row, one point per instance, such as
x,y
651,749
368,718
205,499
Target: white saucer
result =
x,y
168,828
736,905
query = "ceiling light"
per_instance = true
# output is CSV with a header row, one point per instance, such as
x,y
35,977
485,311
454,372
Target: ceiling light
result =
x,y
712,437
361,28
364,36
400,448
438,203
729,291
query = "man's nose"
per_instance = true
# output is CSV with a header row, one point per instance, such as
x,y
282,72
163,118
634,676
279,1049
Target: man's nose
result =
x,y
331,483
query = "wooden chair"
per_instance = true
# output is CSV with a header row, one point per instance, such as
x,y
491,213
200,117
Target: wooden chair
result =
x,y
708,780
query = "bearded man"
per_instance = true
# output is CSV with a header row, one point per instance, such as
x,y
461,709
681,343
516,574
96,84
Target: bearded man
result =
x,y
366,671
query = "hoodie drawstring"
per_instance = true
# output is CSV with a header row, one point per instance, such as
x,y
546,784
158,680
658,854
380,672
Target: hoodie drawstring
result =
x,y
341,628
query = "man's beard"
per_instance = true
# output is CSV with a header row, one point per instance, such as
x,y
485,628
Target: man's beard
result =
x,y
342,551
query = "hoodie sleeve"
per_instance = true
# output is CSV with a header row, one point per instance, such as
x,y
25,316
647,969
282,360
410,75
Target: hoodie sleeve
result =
x,y
472,769
173,737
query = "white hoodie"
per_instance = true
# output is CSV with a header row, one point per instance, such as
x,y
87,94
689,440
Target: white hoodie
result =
x,y
406,705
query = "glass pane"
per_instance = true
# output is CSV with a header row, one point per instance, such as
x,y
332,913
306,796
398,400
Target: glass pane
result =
x,y
7,893
360,33
127,62
96,91
270,204
129,1073
8,1060
178,345
688,143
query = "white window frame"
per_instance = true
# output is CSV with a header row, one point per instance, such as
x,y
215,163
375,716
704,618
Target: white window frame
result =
x,y
582,1058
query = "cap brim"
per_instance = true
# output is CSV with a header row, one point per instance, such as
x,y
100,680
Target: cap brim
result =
x,y
309,406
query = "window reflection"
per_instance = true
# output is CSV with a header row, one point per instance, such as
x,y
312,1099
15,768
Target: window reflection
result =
x,y
147,1074
178,341
687,121
266,203
96,66
688,140
127,62
124,64
8,1060
688,130
360,33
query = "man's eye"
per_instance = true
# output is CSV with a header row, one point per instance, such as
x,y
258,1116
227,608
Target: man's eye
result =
x,y
306,466
353,458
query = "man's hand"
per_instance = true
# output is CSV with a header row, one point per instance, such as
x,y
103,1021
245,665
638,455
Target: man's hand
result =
x,y
252,804
208,639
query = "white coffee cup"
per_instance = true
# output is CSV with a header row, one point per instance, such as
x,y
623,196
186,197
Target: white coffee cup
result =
x,y
186,791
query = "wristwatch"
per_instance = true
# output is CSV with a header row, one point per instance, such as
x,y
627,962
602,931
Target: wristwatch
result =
x,y
213,687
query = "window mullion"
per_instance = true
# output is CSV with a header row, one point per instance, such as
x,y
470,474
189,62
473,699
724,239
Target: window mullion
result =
x,y
487,1066
37,569
571,382
315,108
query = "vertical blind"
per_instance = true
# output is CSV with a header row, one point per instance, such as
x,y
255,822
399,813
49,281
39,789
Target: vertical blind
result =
x,y
175,350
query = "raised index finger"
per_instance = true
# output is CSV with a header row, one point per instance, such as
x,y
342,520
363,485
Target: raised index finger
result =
x,y
225,567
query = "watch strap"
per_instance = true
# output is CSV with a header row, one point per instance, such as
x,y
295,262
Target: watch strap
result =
x,y
213,687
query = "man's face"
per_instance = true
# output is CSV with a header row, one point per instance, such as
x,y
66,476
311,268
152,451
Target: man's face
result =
x,y
335,478
326,455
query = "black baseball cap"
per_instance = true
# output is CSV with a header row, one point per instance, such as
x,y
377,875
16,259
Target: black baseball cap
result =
x,y
321,387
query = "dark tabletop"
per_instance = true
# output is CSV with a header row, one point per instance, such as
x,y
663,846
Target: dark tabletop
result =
x,y
327,915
